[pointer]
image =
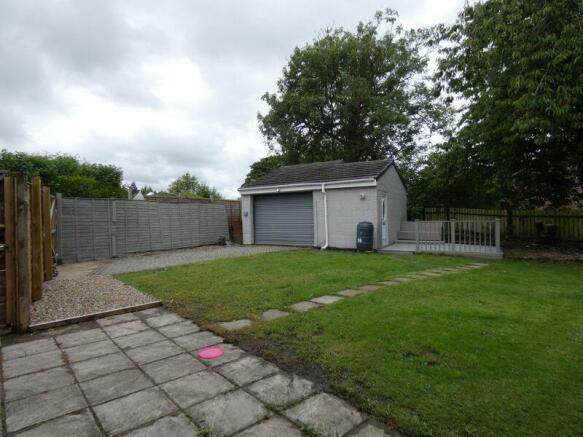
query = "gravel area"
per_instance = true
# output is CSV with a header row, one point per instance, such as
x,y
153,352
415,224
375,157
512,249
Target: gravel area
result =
x,y
85,288
86,294
157,260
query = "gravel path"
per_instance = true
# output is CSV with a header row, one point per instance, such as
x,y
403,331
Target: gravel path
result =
x,y
156,260
64,298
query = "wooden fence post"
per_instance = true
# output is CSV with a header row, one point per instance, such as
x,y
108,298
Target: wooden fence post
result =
x,y
23,297
10,249
36,238
47,240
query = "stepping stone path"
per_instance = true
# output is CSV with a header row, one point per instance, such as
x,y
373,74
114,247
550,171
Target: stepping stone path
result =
x,y
108,377
327,299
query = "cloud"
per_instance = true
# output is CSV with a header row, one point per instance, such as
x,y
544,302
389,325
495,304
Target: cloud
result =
x,y
159,88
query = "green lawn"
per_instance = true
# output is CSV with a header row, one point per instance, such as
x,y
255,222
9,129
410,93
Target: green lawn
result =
x,y
495,351
492,351
234,288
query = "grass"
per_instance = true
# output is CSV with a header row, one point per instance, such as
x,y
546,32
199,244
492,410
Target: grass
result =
x,y
494,351
235,288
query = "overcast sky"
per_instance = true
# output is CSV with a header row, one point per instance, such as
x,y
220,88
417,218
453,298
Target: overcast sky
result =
x,y
160,87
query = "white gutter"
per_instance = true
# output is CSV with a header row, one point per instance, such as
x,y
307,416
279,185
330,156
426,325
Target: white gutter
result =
x,y
307,185
325,246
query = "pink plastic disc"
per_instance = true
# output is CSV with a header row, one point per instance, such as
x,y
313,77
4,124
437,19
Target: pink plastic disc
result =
x,y
211,353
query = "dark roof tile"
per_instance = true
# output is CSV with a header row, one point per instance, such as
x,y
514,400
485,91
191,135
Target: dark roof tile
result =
x,y
318,172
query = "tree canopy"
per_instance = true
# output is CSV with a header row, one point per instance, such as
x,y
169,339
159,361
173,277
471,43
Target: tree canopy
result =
x,y
518,67
189,185
355,96
66,174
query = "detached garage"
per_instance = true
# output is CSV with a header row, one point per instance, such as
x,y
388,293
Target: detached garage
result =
x,y
320,204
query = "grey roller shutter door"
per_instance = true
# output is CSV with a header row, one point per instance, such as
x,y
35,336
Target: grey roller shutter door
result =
x,y
286,219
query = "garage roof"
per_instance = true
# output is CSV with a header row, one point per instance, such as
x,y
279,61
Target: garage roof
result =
x,y
317,172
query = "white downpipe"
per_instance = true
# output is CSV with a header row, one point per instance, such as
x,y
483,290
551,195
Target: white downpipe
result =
x,y
325,246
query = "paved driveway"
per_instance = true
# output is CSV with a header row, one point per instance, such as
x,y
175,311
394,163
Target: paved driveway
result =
x,y
138,374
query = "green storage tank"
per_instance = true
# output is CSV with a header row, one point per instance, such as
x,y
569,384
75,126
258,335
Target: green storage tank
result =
x,y
364,236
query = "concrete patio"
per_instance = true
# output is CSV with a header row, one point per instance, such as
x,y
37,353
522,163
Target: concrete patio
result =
x,y
137,374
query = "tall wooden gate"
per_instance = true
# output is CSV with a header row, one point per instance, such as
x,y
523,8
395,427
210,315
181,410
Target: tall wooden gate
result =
x,y
27,250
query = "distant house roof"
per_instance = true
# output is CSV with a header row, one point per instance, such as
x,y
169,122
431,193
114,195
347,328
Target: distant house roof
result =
x,y
318,172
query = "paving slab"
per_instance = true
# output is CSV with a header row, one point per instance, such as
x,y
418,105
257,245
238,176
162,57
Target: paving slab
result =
x,y
195,388
163,320
235,325
106,388
326,415
35,383
169,426
173,367
33,363
91,350
81,337
78,424
349,292
153,352
327,299
45,406
247,369
133,410
119,318
273,314
282,389
198,340
402,279
274,427
388,283
374,430
232,353
369,287
179,329
431,274
152,312
304,306
101,366
28,348
127,328
229,413
139,339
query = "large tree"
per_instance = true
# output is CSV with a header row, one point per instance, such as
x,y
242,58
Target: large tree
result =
x,y
355,96
518,67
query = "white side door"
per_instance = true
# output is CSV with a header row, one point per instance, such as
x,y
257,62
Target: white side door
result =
x,y
384,220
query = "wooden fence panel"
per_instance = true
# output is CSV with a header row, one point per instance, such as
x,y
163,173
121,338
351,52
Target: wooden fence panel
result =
x,y
92,229
47,234
569,222
36,238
